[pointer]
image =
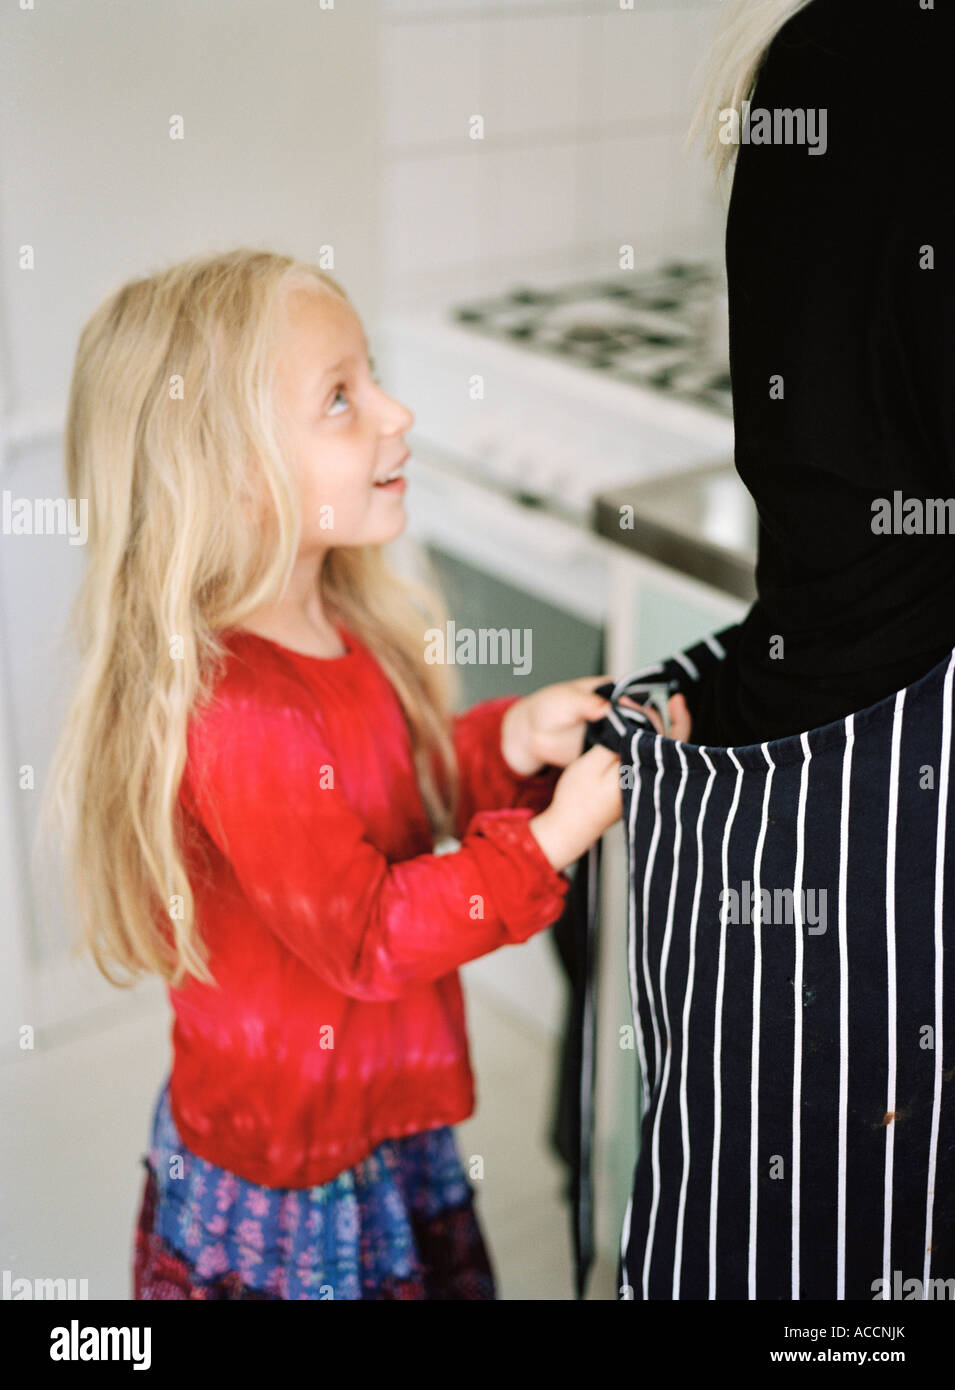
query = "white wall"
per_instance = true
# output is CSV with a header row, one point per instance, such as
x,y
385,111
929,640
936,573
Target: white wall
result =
x,y
281,147
585,109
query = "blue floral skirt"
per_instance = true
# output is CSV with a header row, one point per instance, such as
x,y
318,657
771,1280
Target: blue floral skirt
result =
x,y
399,1225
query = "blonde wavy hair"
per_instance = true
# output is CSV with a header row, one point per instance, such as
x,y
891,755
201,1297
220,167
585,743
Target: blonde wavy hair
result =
x,y
744,34
172,561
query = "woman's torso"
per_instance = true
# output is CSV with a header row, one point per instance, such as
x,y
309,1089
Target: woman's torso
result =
x,y
842,362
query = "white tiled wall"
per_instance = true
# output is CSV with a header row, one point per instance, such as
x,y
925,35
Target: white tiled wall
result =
x,y
585,110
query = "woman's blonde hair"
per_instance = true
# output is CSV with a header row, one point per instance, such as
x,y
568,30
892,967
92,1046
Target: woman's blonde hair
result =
x,y
172,434
745,31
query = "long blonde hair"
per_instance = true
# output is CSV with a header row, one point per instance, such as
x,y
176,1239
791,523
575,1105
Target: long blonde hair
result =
x,y
171,434
744,34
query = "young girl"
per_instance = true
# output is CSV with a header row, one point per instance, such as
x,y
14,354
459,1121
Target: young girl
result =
x,y
253,777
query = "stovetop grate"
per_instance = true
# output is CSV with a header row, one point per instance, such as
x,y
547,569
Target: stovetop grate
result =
x,y
660,329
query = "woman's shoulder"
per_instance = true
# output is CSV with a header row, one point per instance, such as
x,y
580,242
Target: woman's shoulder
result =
x,y
871,38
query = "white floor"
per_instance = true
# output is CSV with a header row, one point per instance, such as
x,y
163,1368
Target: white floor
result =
x,y
76,1117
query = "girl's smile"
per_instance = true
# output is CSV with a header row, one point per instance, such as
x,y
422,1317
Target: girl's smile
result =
x,y
396,485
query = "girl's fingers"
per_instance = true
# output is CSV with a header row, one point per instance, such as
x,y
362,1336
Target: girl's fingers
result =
x,y
681,721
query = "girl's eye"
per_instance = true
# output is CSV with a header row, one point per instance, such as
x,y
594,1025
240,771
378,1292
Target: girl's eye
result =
x,y
340,392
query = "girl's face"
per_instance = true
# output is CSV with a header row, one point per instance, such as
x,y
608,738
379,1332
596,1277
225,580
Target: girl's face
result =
x,y
345,432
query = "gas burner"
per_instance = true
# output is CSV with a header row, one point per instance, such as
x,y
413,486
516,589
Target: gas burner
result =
x,y
530,296
587,333
651,329
683,270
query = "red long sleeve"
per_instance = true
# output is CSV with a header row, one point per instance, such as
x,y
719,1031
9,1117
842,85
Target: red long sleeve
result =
x,y
486,780
267,786
333,931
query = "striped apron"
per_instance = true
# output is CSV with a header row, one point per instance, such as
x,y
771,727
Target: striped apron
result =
x,y
791,951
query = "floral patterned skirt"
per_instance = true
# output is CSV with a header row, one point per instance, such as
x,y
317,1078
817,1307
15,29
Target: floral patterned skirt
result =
x,y
399,1225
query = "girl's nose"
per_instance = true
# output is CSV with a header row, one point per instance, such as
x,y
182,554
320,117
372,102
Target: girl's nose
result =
x,y
400,418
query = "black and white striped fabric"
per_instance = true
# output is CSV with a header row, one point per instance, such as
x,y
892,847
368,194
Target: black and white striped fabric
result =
x,y
791,957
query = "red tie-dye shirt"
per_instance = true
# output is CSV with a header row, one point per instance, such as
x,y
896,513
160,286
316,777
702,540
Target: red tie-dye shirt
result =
x,y
333,930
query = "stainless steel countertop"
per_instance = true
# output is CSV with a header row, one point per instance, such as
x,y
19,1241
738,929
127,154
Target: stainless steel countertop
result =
x,y
702,523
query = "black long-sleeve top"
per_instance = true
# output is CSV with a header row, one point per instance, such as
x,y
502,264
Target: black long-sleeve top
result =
x,y
830,290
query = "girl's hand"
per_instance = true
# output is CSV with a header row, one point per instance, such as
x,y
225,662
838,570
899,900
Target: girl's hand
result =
x,y
548,725
586,802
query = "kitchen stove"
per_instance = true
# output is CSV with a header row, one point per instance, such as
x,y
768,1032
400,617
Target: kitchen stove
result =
x,y
664,328
550,395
